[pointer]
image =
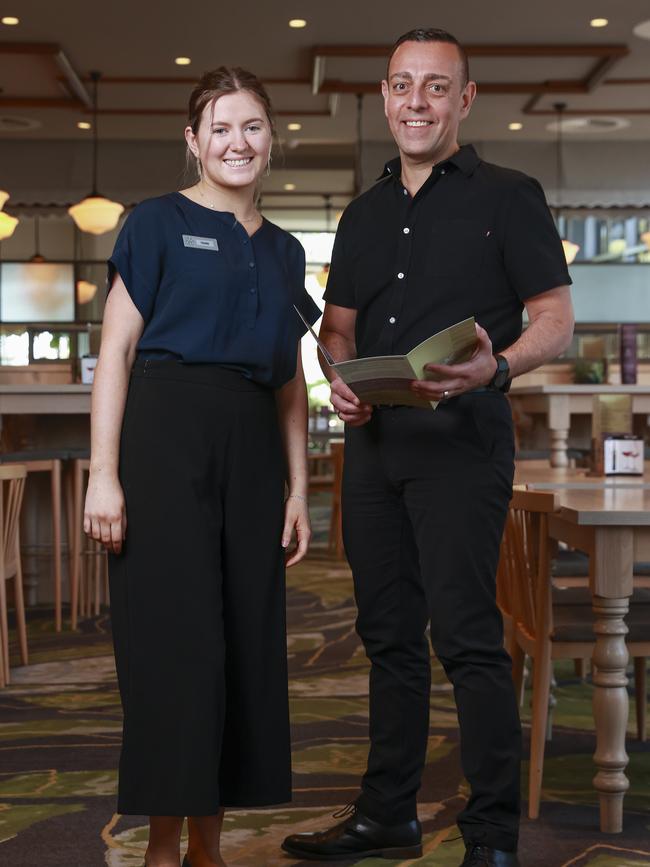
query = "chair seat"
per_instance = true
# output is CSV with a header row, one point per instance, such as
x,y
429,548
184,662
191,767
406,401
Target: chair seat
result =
x,y
573,615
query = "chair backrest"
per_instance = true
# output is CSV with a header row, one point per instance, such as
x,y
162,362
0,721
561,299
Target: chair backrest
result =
x,y
523,579
12,481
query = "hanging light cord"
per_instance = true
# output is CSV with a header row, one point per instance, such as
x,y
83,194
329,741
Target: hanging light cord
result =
x,y
95,76
559,166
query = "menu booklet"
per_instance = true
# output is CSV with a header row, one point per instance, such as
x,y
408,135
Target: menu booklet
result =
x,y
385,379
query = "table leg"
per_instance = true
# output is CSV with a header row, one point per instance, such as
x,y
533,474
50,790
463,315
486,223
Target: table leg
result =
x,y
559,443
610,705
559,422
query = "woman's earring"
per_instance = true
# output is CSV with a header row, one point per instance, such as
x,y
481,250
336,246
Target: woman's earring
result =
x,y
268,165
199,167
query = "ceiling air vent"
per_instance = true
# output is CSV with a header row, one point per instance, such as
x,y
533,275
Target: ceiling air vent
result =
x,y
596,124
14,123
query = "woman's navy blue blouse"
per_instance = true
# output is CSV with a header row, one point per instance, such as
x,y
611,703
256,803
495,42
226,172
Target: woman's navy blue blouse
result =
x,y
209,293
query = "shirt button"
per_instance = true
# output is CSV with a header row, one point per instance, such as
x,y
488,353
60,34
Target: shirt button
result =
x,y
392,320
406,230
400,276
252,291
251,264
442,171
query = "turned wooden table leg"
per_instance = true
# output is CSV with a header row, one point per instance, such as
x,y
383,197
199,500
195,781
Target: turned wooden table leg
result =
x,y
611,589
559,443
559,422
611,709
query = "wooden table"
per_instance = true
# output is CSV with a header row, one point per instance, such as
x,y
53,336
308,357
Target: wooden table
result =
x,y
542,477
559,402
609,519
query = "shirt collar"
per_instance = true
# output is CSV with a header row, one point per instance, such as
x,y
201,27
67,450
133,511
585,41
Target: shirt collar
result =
x,y
466,159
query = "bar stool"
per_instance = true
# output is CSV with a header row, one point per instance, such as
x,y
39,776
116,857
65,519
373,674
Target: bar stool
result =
x,y
12,484
322,480
47,461
86,589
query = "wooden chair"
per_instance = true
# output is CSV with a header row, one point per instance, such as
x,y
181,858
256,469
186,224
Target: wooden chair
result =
x,y
12,483
47,461
326,474
548,623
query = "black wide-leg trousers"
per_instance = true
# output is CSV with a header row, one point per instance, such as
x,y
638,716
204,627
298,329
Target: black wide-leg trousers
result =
x,y
198,596
425,495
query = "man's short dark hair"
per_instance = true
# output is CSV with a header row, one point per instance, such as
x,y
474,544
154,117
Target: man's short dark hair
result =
x,y
432,34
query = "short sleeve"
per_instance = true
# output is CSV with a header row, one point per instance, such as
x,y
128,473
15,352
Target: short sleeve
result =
x,y
532,250
340,280
302,299
138,257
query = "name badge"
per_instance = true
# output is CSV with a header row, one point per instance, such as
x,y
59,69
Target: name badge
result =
x,y
200,243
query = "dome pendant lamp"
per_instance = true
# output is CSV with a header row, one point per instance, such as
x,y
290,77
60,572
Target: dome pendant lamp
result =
x,y
95,214
7,222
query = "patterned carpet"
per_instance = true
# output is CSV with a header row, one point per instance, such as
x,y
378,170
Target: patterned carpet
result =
x,y
60,734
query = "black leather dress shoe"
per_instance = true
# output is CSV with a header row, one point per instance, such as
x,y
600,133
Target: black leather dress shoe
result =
x,y
186,862
477,855
358,837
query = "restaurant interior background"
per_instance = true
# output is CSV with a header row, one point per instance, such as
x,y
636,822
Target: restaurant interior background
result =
x,y
563,95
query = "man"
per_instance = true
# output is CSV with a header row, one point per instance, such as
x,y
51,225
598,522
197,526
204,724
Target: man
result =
x,y
441,236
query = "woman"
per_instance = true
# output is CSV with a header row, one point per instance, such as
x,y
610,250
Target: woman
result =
x,y
198,391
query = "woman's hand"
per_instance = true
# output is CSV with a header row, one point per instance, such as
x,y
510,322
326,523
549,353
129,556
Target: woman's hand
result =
x,y
296,516
105,513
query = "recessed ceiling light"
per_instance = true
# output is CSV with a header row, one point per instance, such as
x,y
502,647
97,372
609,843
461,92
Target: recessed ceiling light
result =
x,y
182,61
10,20
83,124
297,23
642,30
294,127
599,22
289,187
515,126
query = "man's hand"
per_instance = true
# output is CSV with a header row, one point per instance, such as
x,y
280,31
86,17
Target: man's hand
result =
x,y
454,379
347,405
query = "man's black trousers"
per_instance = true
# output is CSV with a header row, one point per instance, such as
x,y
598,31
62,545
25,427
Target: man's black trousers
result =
x,y
425,495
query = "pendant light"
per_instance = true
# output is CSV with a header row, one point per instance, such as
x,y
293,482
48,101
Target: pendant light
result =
x,y
95,214
7,222
570,249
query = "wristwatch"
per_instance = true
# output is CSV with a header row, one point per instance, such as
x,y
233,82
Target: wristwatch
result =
x,y
501,379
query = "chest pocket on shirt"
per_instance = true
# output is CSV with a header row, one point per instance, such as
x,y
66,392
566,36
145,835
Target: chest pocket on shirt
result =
x,y
457,248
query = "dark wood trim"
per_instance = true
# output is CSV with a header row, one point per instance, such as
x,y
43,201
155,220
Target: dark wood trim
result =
x,y
164,112
41,102
150,79
50,48
526,49
626,81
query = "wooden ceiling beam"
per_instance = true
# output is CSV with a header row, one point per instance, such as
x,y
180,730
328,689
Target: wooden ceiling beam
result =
x,y
485,50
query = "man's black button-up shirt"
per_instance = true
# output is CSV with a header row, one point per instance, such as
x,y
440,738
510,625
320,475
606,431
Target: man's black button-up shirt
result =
x,y
476,240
